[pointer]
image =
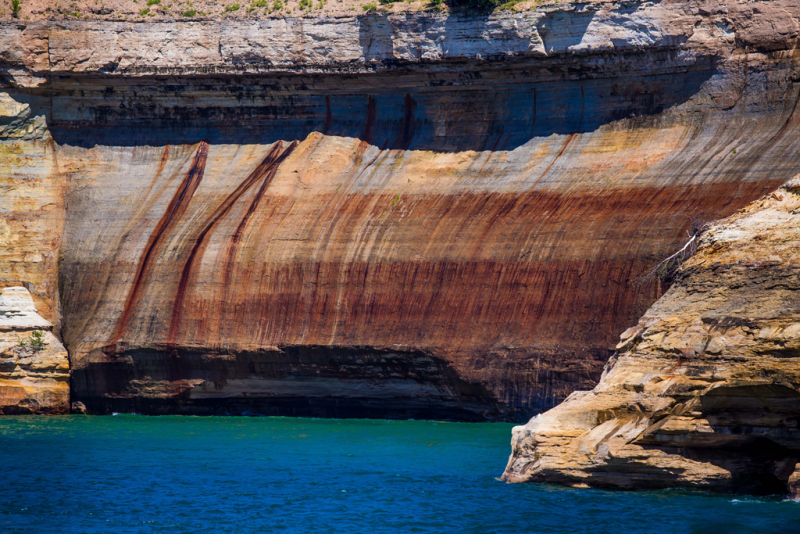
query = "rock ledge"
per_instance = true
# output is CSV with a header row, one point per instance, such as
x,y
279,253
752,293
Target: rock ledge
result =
x,y
34,368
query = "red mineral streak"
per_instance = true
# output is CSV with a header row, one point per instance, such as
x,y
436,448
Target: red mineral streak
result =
x,y
407,128
265,170
328,114
492,281
366,137
176,208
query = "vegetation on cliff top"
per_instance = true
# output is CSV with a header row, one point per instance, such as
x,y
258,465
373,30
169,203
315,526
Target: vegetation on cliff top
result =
x,y
140,10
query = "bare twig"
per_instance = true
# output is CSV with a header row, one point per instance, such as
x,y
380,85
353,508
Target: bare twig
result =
x,y
666,261
666,268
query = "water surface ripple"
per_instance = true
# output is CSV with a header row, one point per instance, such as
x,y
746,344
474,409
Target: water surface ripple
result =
x,y
132,474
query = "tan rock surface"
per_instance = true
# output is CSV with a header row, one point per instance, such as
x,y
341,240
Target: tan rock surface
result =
x,y
705,390
31,205
405,215
34,374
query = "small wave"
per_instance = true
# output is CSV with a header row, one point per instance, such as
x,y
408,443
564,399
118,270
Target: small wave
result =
x,y
774,499
747,501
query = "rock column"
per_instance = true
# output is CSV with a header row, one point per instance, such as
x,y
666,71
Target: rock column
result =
x,y
34,368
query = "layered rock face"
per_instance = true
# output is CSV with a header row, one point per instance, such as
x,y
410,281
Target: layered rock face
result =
x,y
705,389
34,368
31,205
395,216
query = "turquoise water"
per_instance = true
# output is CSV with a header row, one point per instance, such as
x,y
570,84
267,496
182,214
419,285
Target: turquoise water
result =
x,y
234,474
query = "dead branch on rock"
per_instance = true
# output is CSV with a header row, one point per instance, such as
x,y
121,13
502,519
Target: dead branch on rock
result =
x,y
667,268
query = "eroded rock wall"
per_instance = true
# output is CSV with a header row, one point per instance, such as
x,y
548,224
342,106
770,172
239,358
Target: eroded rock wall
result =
x,y
34,368
31,205
705,389
404,216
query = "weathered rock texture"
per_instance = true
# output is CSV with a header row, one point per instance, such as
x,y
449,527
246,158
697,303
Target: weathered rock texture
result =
x,y
705,390
34,376
31,205
401,216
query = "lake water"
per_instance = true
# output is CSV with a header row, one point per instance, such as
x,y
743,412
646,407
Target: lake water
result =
x,y
130,473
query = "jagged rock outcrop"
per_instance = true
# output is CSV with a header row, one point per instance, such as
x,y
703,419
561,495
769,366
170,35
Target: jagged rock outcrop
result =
x,y
401,216
705,390
34,368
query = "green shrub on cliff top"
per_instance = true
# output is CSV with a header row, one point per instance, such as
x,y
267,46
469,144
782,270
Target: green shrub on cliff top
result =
x,y
15,7
189,13
472,5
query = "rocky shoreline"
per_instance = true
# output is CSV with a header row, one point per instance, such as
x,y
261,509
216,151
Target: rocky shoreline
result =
x,y
704,391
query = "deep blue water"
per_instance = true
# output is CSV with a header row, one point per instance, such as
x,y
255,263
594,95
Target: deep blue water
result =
x,y
235,474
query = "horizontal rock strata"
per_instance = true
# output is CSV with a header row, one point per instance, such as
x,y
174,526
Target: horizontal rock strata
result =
x,y
705,390
34,368
384,215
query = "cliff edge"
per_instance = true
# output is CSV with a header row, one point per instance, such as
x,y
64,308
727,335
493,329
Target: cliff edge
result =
x,y
705,390
424,215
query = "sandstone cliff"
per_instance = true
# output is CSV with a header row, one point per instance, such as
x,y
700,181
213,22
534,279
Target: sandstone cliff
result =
x,y
412,215
34,369
705,389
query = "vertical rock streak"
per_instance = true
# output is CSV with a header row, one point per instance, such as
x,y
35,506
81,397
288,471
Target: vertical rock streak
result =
x,y
328,114
176,208
134,222
560,153
403,140
369,127
266,170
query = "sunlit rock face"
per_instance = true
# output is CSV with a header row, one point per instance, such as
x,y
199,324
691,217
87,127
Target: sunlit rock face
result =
x,y
34,368
705,390
410,216
31,204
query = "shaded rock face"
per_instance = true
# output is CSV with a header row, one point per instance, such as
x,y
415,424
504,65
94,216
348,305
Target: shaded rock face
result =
x,y
34,368
401,216
705,389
